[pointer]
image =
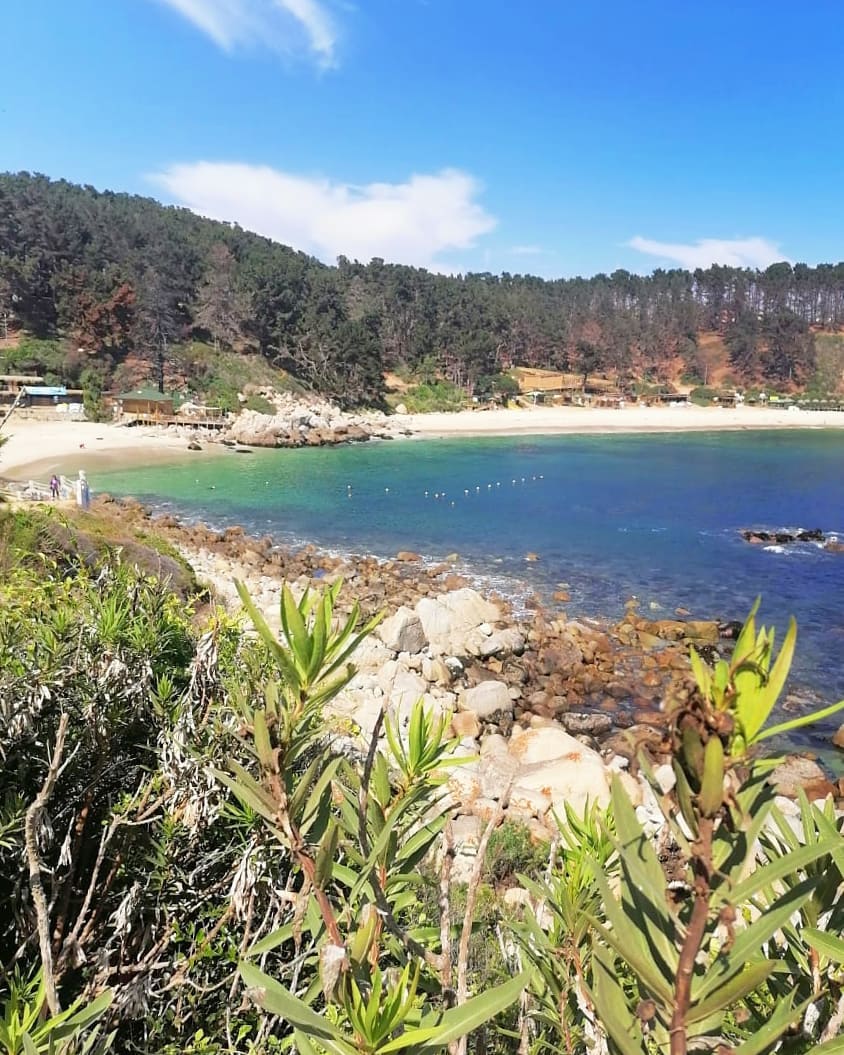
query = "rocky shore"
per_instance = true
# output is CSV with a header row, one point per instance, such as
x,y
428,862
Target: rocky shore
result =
x,y
547,708
310,423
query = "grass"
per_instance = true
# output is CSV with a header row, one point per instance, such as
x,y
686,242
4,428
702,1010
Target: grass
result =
x,y
68,538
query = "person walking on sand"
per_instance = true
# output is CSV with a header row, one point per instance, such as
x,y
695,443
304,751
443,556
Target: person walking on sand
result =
x,y
83,492
55,486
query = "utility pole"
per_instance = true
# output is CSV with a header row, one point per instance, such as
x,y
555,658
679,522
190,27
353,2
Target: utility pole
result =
x,y
162,349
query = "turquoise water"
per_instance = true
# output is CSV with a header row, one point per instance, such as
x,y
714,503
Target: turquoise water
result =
x,y
656,516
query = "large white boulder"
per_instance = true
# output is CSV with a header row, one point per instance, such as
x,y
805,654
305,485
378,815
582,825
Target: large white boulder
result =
x,y
403,631
556,765
485,699
449,618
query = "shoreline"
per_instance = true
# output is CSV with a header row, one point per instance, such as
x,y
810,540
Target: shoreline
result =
x,y
40,448
550,421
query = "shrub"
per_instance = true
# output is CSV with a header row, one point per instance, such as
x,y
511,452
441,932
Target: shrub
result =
x,y
434,396
703,396
512,850
260,404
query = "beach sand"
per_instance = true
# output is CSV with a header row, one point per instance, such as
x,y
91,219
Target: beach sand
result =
x,y
545,420
36,449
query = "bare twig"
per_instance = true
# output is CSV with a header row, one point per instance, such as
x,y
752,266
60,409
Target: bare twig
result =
x,y
33,818
446,973
471,901
694,938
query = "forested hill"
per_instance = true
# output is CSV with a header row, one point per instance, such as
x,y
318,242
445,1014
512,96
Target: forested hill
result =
x,y
122,277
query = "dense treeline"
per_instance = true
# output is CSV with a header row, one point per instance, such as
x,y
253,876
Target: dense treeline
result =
x,y
119,276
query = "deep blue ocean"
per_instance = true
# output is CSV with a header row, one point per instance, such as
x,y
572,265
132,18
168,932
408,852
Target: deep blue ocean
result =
x,y
656,516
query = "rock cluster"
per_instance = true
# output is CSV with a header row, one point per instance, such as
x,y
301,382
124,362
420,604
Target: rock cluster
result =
x,y
784,538
312,423
545,712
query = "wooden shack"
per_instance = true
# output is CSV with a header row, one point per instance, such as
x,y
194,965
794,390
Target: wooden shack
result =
x,y
146,402
12,384
50,395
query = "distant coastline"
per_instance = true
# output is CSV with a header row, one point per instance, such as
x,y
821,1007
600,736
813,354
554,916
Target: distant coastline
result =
x,y
37,448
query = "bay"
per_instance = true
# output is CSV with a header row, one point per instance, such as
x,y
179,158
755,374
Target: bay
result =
x,y
655,516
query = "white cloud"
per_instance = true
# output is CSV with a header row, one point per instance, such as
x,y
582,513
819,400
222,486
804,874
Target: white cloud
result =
x,y
281,25
736,252
407,223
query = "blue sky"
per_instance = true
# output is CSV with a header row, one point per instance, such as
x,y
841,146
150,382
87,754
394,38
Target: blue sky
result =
x,y
547,136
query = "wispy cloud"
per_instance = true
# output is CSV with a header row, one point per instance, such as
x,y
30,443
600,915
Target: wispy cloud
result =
x,y
527,250
409,223
281,25
736,252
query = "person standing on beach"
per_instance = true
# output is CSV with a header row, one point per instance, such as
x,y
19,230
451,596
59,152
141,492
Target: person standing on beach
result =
x,y
83,492
54,486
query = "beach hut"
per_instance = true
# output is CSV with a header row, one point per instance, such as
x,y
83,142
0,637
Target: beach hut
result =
x,y
50,395
146,402
12,385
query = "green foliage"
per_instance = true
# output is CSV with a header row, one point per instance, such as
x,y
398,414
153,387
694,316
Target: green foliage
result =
x,y
317,884
260,404
109,273
32,355
27,1028
511,850
703,963
500,387
92,394
434,396
356,836
744,689
702,396
555,933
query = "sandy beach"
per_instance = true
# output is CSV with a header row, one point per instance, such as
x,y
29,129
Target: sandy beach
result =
x,y
544,420
35,449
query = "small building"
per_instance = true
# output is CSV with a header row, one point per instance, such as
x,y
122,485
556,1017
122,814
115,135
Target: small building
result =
x,y
146,402
11,385
50,395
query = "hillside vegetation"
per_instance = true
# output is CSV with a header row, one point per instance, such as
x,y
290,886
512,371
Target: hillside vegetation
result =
x,y
112,289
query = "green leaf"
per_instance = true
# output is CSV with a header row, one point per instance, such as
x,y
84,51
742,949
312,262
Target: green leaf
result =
x,y
271,941
829,1047
459,1021
778,674
775,870
611,1005
294,629
303,1044
92,1011
263,748
796,723
319,637
750,940
829,945
729,990
249,791
768,1034
268,994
